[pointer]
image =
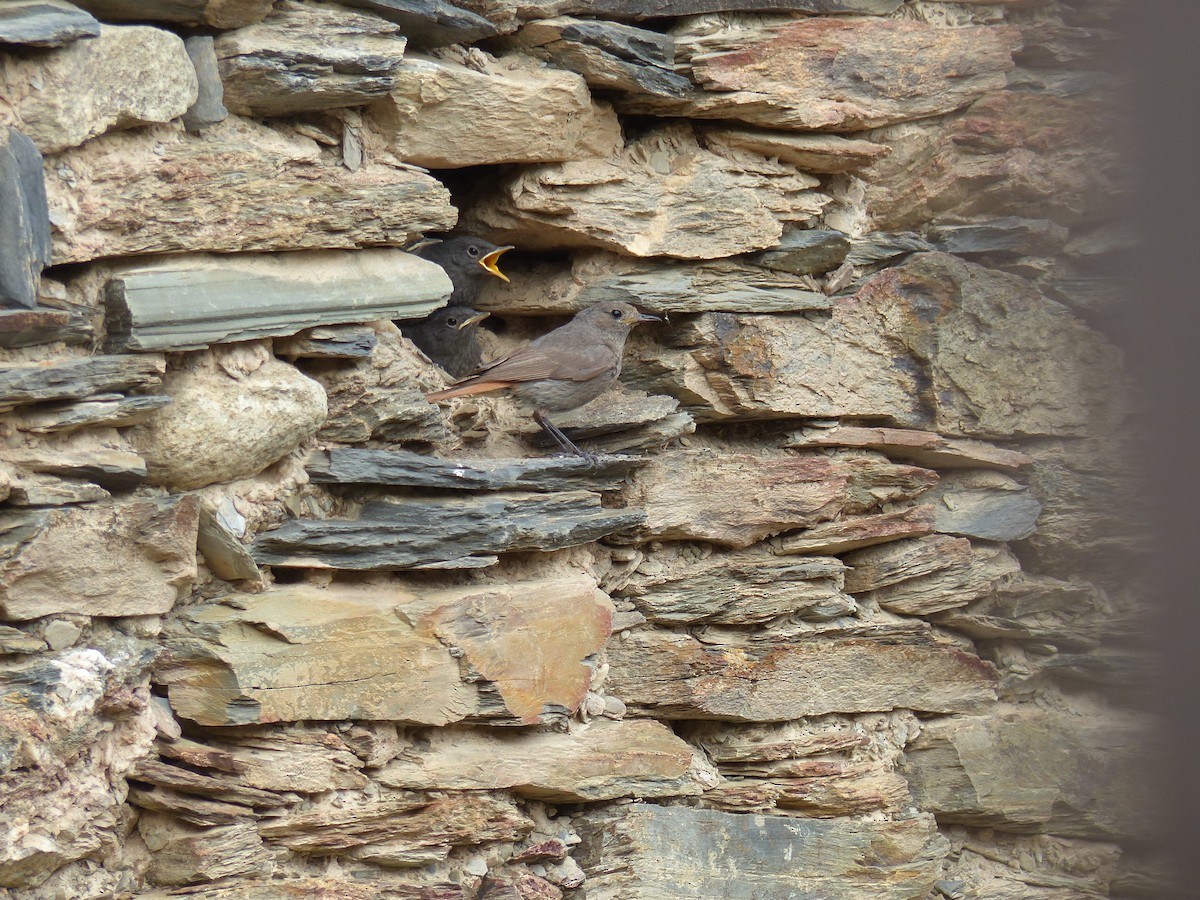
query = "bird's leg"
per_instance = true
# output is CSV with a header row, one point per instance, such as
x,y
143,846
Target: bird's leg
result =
x,y
564,442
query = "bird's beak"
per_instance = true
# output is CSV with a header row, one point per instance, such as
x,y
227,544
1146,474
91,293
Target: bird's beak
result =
x,y
646,317
478,317
491,262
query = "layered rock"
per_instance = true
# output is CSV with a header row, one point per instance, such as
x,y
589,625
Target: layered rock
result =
x,y
25,231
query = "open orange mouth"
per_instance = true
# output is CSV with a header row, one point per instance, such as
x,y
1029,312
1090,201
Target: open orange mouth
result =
x,y
491,262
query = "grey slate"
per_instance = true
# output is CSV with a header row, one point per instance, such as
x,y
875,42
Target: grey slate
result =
x,y
108,410
354,465
329,342
449,532
44,23
24,220
809,251
1009,234
884,246
75,379
28,327
209,108
649,9
430,23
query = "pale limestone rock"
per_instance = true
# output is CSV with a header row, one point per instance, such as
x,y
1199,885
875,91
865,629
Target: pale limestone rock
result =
x,y
227,421
1074,774
74,723
990,863
905,349
831,74
130,559
662,195
852,532
242,186
308,56
63,97
737,500
922,447
602,760
674,853
299,652
824,153
450,111
214,13
676,676
184,854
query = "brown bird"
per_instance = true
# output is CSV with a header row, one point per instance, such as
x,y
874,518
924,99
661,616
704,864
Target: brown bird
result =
x,y
562,369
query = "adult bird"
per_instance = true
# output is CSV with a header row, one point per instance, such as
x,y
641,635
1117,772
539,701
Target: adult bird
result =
x,y
562,369
449,336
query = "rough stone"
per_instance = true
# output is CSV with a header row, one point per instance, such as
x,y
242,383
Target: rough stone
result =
x,y
1074,775
986,505
443,532
852,532
130,559
988,863
209,108
45,23
675,676
805,252
214,13
677,587
922,447
656,286
826,154
507,13
833,74
329,342
183,854
224,554
115,469
188,302
77,378
25,227
599,761
107,410
903,349
308,56
925,575
451,111
30,327
662,195
85,88
737,500
430,23
672,853
299,652
233,413
242,187
1008,234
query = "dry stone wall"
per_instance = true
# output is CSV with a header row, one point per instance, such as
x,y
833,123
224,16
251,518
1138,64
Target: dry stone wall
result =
x,y
840,609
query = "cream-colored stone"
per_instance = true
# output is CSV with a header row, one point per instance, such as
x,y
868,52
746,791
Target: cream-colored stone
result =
x,y
60,98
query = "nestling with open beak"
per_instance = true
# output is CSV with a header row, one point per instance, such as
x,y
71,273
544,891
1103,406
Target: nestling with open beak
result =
x,y
448,335
561,370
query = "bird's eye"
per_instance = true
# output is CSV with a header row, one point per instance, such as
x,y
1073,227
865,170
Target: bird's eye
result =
x,y
452,321
472,251
616,314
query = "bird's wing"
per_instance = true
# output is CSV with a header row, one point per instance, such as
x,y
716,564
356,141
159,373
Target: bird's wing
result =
x,y
560,354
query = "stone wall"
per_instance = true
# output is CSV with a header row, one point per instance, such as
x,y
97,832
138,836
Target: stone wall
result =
x,y
841,610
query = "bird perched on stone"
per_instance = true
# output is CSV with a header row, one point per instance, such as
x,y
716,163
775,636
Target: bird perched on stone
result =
x,y
449,336
562,369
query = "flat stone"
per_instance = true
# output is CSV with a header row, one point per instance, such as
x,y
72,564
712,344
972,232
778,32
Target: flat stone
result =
x,y
449,532
451,111
430,23
986,505
832,74
827,154
103,410
233,413
77,378
45,23
608,55
883,247
993,864
16,641
214,13
673,853
209,108
189,302
925,448
678,587
853,532
1008,234
329,342
903,350
85,87
803,252
653,285
603,760
308,56
30,327
401,468
288,196
1006,155
298,652
182,854
737,500
507,13
662,195
926,575
224,554
115,469
134,558
675,676
25,229
1083,781
345,888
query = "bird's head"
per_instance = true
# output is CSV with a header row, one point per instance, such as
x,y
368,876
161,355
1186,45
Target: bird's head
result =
x,y
455,318
619,316
467,254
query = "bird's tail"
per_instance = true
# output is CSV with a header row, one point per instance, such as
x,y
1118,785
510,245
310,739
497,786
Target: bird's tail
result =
x,y
466,389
